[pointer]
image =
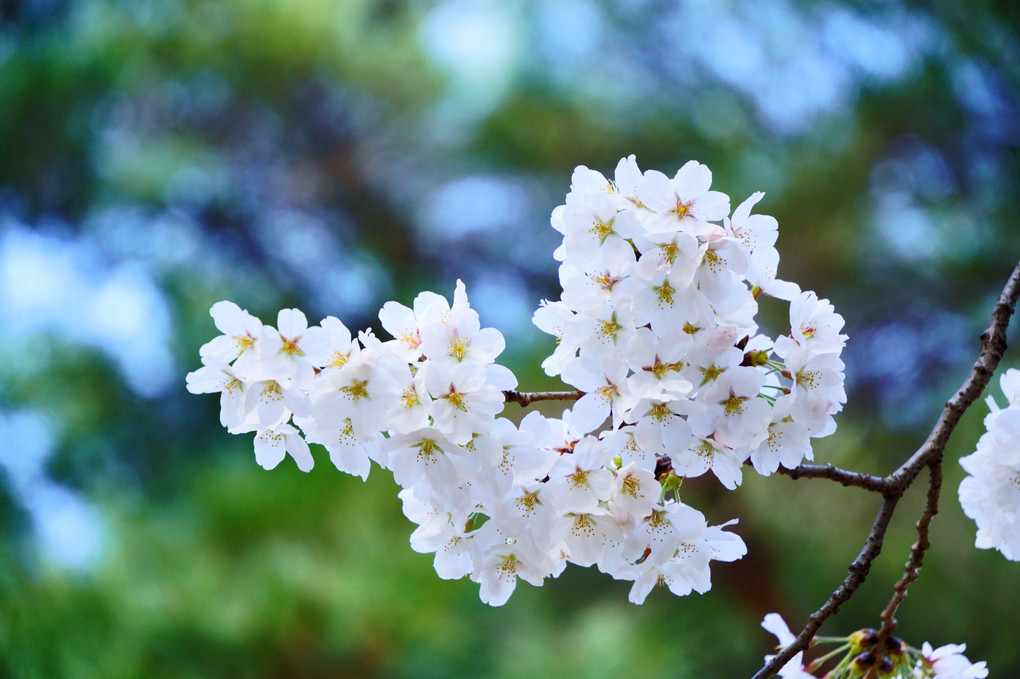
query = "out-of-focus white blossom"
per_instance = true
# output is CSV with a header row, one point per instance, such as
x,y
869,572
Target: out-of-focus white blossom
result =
x,y
990,494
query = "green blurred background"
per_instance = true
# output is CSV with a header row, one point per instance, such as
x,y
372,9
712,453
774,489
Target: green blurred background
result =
x,y
161,155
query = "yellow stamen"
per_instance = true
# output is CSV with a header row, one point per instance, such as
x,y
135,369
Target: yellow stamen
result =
x,y
710,373
601,229
735,405
458,347
356,390
664,293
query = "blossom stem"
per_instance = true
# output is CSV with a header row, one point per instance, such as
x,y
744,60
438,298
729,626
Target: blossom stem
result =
x,y
821,660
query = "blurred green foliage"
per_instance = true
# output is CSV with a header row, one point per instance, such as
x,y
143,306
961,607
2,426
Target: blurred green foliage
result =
x,y
334,155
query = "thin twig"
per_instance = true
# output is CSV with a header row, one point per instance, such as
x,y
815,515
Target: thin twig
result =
x,y
993,345
912,568
876,484
525,398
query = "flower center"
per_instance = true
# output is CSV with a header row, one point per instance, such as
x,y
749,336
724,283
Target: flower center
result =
x,y
631,485
735,405
710,373
458,347
356,390
601,229
579,479
456,399
664,293
683,207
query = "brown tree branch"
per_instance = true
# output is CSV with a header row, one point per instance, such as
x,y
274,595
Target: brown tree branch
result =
x,y
525,398
876,484
912,569
993,345
856,575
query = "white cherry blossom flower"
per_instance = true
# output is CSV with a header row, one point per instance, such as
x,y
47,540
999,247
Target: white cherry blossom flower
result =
x,y
814,323
706,453
579,481
589,536
788,444
721,269
553,318
438,532
363,391
412,411
661,424
240,341
990,494
405,324
757,235
459,337
272,401
425,451
523,454
340,346
273,443
287,351
626,179
593,223
949,662
818,390
589,288
658,364
676,252
223,379
687,568
636,493
622,444
683,202
347,452
465,403
606,392
499,561
663,304
601,334
733,413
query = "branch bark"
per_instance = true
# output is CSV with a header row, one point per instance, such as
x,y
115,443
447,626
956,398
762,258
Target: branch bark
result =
x,y
876,484
856,575
892,487
912,569
525,398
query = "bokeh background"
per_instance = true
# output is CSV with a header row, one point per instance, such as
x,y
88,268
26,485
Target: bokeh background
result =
x,y
157,156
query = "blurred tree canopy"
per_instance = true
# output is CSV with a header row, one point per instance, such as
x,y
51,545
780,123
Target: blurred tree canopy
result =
x,y
157,156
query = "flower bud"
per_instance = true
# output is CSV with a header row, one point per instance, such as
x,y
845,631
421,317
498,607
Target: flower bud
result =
x,y
895,647
755,358
860,665
863,640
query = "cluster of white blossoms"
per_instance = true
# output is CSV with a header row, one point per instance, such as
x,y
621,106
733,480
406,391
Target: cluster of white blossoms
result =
x,y
655,326
991,493
862,657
